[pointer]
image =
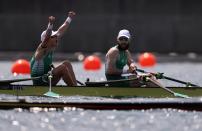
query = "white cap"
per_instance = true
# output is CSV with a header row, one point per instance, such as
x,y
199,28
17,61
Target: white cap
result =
x,y
43,34
124,33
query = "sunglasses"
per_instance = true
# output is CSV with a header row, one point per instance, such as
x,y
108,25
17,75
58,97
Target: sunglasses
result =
x,y
123,39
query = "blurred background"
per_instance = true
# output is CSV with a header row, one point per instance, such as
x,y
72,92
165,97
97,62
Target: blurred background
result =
x,y
169,29
160,26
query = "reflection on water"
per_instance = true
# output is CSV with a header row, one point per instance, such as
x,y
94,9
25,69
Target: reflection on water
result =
x,y
89,120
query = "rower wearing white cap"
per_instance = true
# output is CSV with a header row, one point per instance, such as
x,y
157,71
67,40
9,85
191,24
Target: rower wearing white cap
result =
x,y
42,59
119,56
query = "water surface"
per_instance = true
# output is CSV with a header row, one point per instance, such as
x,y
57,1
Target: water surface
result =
x,y
91,120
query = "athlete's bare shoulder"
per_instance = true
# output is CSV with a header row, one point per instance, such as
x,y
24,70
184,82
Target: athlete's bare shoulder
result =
x,y
128,52
113,51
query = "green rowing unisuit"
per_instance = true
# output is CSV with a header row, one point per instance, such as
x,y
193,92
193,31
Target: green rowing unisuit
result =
x,y
120,63
122,60
41,67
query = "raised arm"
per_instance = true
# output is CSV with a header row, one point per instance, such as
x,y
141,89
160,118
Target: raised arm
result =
x,y
61,30
47,32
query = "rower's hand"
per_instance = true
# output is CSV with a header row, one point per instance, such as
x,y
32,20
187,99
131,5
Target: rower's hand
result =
x,y
144,76
71,14
132,68
51,19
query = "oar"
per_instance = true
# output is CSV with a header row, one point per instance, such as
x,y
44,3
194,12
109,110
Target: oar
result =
x,y
147,78
8,82
82,84
103,83
161,76
168,90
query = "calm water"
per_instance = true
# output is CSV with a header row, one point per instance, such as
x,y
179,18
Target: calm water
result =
x,y
191,72
91,120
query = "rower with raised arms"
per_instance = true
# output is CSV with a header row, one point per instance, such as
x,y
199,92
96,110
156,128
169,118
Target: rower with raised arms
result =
x,y
42,59
119,56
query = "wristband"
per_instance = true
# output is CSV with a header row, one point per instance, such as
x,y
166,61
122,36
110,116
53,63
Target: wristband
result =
x,y
50,26
68,20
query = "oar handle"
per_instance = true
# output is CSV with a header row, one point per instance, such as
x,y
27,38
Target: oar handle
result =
x,y
157,75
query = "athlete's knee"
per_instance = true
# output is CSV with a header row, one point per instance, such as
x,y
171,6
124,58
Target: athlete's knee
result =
x,y
67,63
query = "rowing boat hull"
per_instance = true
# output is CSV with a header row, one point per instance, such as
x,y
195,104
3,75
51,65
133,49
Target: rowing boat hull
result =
x,y
113,92
104,91
136,105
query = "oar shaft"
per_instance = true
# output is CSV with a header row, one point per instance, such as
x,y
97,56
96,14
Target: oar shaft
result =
x,y
7,82
179,81
160,85
80,83
168,90
169,78
102,83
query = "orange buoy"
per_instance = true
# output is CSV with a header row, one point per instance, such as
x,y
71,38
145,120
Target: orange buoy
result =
x,y
92,63
21,66
147,59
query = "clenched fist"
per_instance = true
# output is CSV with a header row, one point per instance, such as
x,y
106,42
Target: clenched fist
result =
x,y
71,14
51,19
